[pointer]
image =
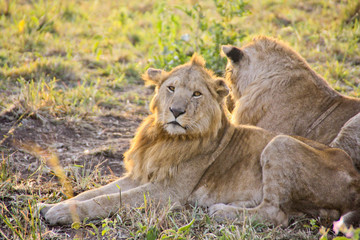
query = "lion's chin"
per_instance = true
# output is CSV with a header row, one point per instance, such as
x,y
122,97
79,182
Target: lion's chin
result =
x,y
175,129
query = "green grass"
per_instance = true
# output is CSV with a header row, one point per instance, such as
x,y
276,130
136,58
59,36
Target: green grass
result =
x,y
70,62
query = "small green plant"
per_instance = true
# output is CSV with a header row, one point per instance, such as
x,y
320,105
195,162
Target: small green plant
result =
x,y
205,37
23,223
4,171
180,233
82,176
313,225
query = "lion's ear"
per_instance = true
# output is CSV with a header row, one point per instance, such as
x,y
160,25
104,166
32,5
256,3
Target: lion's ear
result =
x,y
221,88
153,76
233,53
197,60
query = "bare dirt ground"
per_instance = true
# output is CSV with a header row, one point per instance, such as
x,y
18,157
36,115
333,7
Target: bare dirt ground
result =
x,y
90,142
99,139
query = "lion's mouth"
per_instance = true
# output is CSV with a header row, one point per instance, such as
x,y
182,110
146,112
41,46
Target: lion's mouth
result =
x,y
177,124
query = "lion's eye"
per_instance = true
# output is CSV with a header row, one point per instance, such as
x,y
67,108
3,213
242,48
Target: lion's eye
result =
x,y
197,94
171,88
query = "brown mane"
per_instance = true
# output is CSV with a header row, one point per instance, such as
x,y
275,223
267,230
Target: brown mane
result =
x,y
155,154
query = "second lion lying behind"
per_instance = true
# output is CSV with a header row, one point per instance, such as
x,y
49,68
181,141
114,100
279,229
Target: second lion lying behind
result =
x,y
187,151
274,88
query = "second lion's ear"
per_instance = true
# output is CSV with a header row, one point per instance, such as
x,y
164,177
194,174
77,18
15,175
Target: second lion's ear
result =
x,y
153,76
233,53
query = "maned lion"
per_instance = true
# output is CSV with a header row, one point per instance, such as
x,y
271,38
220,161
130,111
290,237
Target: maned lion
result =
x,y
187,151
274,88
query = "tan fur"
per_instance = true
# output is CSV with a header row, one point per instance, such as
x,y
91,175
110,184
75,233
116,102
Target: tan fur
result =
x,y
164,152
204,159
274,88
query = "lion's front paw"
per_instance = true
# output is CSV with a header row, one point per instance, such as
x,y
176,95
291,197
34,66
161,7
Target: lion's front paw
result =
x,y
42,208
222,211
62,214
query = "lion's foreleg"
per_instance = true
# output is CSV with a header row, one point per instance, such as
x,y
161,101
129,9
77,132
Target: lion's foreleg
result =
x,y
231,210
122,184
263,212
106,205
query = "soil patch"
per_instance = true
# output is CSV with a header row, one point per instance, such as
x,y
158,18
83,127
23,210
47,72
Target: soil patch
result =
x,y
96,140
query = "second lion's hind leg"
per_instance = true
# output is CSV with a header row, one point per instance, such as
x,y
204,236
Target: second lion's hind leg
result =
x,y
297,178
290,173
348,139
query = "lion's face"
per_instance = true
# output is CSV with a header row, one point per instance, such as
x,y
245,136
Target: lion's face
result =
x,y
187,100
187,105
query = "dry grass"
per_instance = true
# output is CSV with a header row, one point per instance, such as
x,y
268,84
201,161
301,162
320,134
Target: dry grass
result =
x,y
70,87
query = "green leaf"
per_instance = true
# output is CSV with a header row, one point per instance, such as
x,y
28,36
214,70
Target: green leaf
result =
x,y
207,219
152,234
76,225
145,201
94,227
105,230
186,227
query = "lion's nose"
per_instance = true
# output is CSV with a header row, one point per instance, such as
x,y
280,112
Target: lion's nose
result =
x,y
177,111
